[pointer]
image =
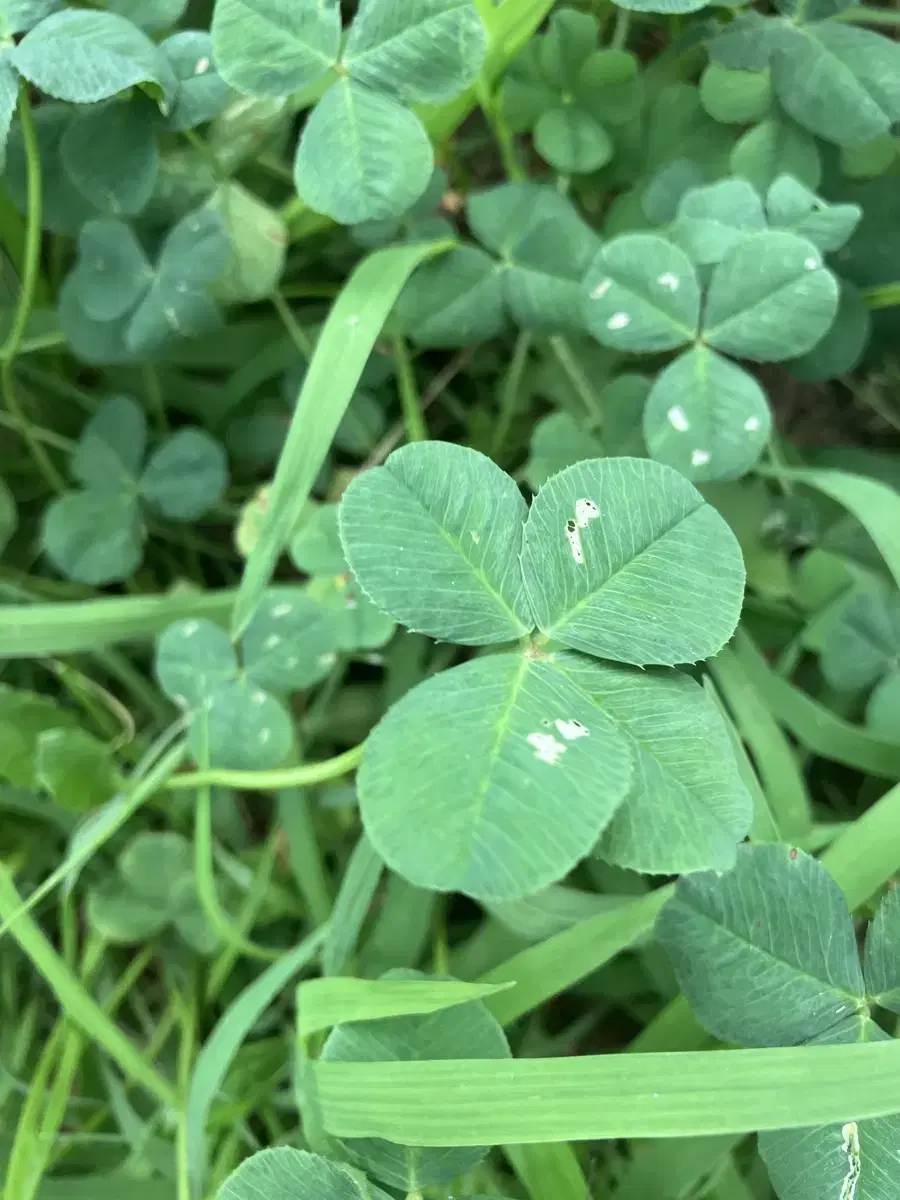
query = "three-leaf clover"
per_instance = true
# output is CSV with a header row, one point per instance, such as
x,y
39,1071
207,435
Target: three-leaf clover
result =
x,y
781,923
364,154
521,759
769,297
114,305
862,649
235,720
96,535
152,888
567,91
543,248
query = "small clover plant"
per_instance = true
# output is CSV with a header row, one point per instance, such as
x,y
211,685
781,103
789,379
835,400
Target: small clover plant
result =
x,y
97,534
863,648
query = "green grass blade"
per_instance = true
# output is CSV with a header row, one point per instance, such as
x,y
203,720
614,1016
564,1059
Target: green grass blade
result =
x,y
341,353
77,1004
322,1003
358,887
553,965
226,1039
482,1103
549,1171
867,854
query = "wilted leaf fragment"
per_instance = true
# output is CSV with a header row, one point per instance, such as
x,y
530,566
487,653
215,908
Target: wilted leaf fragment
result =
x,y
433,538
275,47
514,768
623,559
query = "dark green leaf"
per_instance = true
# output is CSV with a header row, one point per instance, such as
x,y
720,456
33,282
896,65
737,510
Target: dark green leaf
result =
x,y
93,537
112,272
109,151
186,476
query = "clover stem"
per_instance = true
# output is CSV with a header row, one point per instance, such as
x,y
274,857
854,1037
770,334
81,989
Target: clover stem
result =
x,y
295,330
30,273
416,429
621,29
305,775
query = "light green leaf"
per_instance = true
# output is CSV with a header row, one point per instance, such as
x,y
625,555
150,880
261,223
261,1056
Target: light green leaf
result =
x,y
883,708
9,97
433,538
64,208
609,86
288,1174
506,754
794,207
121,917
186,476
192,658
662,6
258,238
840,82
156,865
111,448
85,56
712,219
454,301
316,547
151,15
422,51
240,727
24,716
623,559
75,769
571,140
112,272
706,417
570,38
360,625
776,147
738,97
275,47
202,92
290,642
864,643
557,441
17,16
109,151
526,92
466,1029
362,156
770,298
93,537
641,294
781,924
687,808
882,961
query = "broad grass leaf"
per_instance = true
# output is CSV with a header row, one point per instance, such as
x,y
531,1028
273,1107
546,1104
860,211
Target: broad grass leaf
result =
x,y
259,240
712,219
842,348
781,924
557,441
623,559
735,96
572,140
287,1174
706,417
776,146
65,209
793,207
433,539
362,156
465,1030
112,272
76,769
864,644
883,708
839,82
186,476
517,771
202,92
422,51
193,657
110,451
882,960
290,642
859,1160
641,294
770,298
109,151
454,301
687,808
84,56
275,47
93,537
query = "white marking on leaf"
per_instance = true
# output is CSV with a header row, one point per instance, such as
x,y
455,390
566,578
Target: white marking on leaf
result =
x,y
618,321
585,512
476,537
850,1146
258,697
351,321
189,628
181,701
271,641
327,660
677,418
571,731
265,735
574,537
670,281
700,458
812,263
546,748
751,424
601,289
282,610
202,66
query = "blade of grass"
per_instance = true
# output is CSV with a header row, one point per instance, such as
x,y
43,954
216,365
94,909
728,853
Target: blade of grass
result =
x,y
341,353
304,854
358,887
486,1102
867,854
549,1171
219,1049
